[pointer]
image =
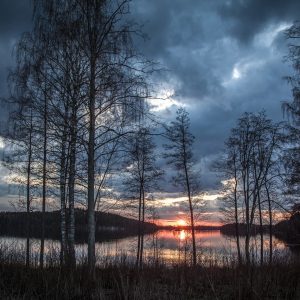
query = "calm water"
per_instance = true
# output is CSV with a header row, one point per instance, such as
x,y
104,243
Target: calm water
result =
x,y
169,247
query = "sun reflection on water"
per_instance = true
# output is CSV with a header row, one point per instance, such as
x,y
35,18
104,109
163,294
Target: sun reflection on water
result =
x,y
182,235
169,247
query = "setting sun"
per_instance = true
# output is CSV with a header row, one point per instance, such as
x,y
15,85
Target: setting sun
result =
x,y
181,223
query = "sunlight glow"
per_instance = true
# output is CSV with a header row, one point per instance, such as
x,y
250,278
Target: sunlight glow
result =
x,y
236,74
211,197
182,235
263,39
170,201
1,143
267,37
181,223
242,68
163,101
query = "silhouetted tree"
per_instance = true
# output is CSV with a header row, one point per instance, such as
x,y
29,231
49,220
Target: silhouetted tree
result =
x,y
250,168
292,108
179,154
20,139
142,176
87,86
115,87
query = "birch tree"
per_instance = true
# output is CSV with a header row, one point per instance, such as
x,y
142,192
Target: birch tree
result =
x,y
87,84
115,86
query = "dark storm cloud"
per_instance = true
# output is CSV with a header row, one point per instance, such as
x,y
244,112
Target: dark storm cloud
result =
x,y
177,33
195,40
213,72
247,17
15,18
223,58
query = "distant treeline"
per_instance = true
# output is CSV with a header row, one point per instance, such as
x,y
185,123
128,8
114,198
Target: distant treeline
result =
x,y
230,229
108,226
286,230
289,230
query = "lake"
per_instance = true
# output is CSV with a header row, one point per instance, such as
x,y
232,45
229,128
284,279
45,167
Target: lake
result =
x,y
165,246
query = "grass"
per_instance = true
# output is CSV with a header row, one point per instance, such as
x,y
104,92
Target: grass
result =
x,y
278,281
120,279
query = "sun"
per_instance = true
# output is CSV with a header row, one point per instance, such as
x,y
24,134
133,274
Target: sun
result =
x,y
181,223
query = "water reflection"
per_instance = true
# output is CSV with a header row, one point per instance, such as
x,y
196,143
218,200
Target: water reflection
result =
x,y
182,235
168,247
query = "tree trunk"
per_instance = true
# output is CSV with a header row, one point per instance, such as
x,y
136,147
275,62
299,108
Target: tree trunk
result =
x,y
237,233
261,232
91,173
28,195
143,228
236,215
193,232
247,248
270,226
247,213
44,182
191,216
71,235
139,230
187,181
62,184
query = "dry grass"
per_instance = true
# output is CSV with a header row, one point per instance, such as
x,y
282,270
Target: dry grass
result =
x,y
158,280
279,281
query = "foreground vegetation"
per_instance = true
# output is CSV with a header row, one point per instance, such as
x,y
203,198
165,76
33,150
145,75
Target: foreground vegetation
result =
x,y
280,280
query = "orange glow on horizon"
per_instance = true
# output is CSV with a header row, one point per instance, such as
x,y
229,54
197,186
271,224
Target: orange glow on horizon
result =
x,y
183,223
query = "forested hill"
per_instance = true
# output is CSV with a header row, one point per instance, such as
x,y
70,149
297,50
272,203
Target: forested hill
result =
x,y
108,226
289,230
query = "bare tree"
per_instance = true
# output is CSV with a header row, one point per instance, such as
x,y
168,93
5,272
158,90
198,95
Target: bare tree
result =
x,y
87,85
179,154
20,160
231,205
23,126
250,168
292,108
142,176
115,86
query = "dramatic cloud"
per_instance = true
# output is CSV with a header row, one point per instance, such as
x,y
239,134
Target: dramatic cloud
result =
x,y
246,18
224,58
15,17
221,58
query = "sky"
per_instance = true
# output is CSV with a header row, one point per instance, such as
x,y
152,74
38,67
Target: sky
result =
x,y
221,57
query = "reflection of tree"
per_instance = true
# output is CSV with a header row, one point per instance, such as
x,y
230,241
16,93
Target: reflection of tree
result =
x,y
182,236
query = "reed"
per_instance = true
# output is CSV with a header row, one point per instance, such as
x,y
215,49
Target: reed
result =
x,y
159,280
